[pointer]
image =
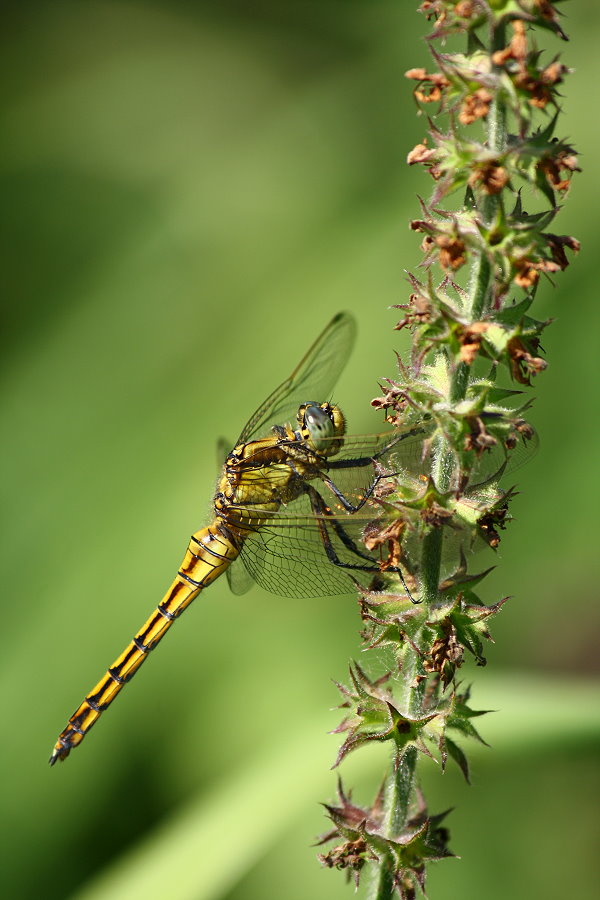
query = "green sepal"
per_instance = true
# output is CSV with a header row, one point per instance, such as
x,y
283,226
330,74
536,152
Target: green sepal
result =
x,y
422,839
449,748
459,717
374,716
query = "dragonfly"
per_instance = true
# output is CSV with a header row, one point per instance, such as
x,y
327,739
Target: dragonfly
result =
x,y
288,511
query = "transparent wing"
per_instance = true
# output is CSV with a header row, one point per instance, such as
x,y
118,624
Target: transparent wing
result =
x,y
239,579
498,462
405,450
313,378
287,557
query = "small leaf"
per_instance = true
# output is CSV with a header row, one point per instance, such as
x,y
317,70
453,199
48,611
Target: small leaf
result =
x,y
459,757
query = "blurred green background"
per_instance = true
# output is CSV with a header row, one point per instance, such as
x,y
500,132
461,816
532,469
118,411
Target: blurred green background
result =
x,y
190,192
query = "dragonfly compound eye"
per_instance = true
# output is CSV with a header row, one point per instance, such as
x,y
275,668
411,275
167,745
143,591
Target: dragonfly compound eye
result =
x,y
320,424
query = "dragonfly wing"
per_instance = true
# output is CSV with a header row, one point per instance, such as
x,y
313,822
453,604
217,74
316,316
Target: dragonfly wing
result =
x,y
501,461
223,450
313,378
239,579
412,449
497,462
405,448
292,564
287,556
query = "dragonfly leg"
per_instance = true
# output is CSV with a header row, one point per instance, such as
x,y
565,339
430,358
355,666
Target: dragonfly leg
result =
x,y
361,462
347,504
323,515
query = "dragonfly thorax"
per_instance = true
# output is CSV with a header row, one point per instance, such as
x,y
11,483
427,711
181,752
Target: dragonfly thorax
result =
x,y
319,426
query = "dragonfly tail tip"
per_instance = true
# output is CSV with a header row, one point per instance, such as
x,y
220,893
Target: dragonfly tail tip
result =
x,y
59,753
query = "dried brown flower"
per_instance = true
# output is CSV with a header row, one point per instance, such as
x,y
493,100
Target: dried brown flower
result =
x,y
452,251
475,106
523,363
492,177
517,47
470,339
391,534
446,653
551,167
431,85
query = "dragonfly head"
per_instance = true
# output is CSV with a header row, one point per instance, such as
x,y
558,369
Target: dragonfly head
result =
x,y
322,426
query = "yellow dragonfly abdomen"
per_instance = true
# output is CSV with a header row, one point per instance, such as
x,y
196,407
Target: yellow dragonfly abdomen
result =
x,y
207,557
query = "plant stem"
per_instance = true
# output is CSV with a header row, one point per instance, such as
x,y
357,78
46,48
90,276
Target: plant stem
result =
x,y
382,887
401,781
399,793
431,561
400,785
398,796
481,272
